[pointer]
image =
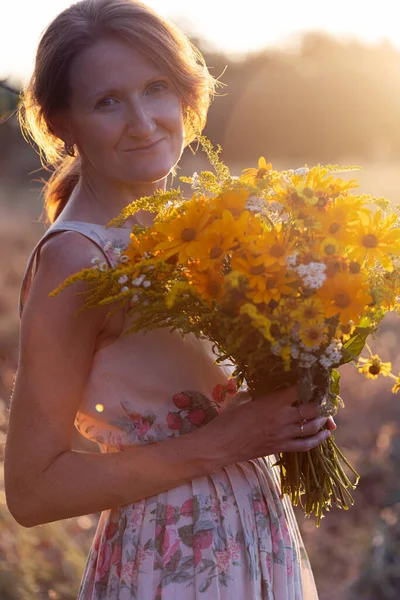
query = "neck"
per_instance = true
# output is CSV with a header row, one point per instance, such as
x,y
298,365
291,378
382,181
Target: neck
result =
x,y
97,200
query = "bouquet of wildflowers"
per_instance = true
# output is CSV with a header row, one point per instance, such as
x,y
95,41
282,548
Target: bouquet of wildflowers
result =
x,y
286,272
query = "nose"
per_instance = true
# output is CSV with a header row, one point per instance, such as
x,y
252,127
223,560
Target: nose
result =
x,y
140,121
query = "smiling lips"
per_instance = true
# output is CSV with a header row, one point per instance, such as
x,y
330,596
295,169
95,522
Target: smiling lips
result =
x,y
142,148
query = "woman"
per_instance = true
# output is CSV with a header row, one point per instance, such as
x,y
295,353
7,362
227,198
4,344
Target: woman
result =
x,y
199,515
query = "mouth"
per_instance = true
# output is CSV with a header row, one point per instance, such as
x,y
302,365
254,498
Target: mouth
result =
x,y
145,147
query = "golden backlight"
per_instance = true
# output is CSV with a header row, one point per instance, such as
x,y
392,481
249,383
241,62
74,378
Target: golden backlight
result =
x,y
235,27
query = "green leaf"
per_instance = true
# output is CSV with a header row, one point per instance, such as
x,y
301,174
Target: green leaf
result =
x,y
334,382
205,585
354,346
186,535
173,563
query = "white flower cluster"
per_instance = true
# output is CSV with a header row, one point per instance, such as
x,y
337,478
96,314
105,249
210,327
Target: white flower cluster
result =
x,y
141,281
101,265
313,274
136,282
332,354
306,360
300,171
256,204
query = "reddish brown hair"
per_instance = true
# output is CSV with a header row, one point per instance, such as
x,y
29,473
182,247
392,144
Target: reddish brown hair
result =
x,y
75,29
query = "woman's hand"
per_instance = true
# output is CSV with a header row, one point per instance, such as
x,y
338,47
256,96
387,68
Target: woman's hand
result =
x,y
268,425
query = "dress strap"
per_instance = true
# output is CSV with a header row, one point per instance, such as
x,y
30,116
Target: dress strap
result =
x,y
96,233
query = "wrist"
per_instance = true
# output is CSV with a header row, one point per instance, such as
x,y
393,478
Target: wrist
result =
x,y
209,449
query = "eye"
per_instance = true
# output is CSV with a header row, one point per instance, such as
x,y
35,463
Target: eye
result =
x,y
107,101
157,86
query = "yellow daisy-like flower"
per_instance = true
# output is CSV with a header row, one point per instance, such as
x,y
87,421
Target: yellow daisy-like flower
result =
x,y
330,247
232,200
374,367
316,190
396,386
208,284
344,331
320,180
271,286
374,238
312,336
215,241
334,221
311,310
143,244
182,232
346,296
251,175
272,247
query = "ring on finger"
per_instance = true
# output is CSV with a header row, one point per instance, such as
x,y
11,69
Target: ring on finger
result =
x,y
302,429
303,420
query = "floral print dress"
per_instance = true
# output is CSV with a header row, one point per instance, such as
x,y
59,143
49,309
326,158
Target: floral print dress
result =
x,y
227,536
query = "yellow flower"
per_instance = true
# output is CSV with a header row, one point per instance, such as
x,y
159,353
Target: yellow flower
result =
x,y
374,367
374,238
251,175
345,330
330,247
316,191
396,386
183,231
346,296
334,265
282,319
176,290
232,200
272,247
215,241
208,284
143,244
259,321
335,219
320,180
313,335
268,285
311,310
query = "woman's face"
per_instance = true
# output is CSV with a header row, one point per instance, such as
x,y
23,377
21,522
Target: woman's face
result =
x,y
124,115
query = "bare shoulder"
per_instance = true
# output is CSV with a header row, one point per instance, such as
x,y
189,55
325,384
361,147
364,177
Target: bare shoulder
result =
x,y
68,251
60,256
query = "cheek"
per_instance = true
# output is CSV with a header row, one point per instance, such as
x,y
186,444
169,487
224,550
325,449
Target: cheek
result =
x,y
172,117
99,132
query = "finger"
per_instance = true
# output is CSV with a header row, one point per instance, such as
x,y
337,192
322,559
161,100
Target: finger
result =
x,y
330,424
309,411
309,428
308,443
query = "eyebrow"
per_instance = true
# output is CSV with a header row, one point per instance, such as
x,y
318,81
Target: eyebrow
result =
x,y
112,90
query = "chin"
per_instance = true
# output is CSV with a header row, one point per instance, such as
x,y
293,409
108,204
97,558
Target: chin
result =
x,y
150,175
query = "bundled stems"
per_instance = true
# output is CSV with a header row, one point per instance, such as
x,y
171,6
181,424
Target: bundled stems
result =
x,y
316,479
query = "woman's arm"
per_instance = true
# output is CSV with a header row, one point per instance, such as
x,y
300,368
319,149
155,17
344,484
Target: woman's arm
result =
x,y
45,480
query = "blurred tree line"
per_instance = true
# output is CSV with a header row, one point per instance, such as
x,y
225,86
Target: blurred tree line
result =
x,y
325,100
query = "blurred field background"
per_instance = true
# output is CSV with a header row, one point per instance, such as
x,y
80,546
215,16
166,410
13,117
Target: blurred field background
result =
x,y
326,101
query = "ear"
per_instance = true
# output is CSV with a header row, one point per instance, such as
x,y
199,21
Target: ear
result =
x,y
60,126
